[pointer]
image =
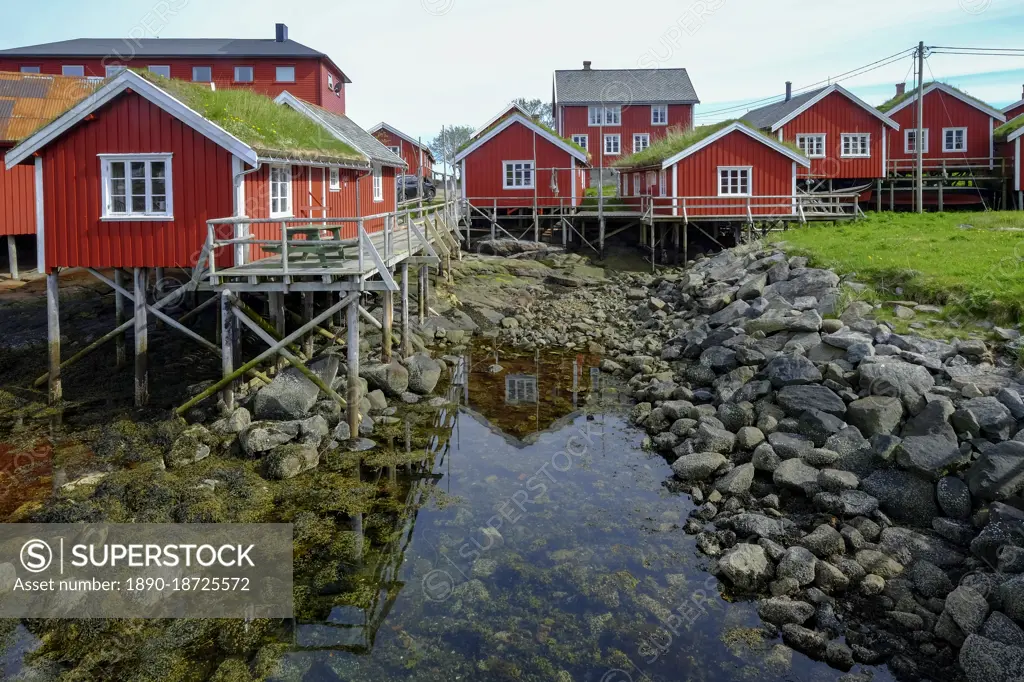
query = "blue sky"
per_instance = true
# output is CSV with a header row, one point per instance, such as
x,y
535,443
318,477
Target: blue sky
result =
x,y
422,63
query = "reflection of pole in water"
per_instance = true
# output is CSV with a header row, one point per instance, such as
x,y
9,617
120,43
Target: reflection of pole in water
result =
x,y
537,389
575,381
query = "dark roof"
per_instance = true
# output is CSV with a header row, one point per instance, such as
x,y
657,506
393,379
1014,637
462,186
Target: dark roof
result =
x,y
359,138
624,86
767,116
123,50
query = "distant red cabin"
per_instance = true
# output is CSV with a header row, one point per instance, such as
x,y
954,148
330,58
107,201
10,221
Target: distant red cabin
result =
x,y
1008,145
417,156
518,163
1014,110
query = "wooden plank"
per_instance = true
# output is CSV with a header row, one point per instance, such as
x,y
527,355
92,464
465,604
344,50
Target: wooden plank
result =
x,y
55,391
227,347
12,256
352,364
141,340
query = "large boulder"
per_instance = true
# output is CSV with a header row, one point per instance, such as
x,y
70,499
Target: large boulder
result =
x,y
994,418
424,373
954,498
967,608
782,610
875,414
737,481
288,461
999,473
894,378
194,444
1011,594
903,496
798,475
263,436
698,466
983,660
796,400
746,567
791,370
392,378
929,447
291,395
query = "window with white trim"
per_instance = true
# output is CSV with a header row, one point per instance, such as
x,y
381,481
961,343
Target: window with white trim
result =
x,y
734,181
244,74
855,145
520,388
518,175
396,150
612,144
160,70
636,184
910,141
29,69
662,183
335,179
112,70
378,184
641,141
812,145
72,70
954,140
581,140
284,74
659,115
607,116
136,186
330,82
280,191
202,74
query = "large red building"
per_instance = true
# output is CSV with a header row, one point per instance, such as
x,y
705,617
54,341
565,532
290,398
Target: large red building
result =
x,y
844,137
417,156
1014,110
268,66
515,163
613,113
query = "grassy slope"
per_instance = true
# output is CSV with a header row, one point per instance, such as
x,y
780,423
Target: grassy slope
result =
x,y
978,271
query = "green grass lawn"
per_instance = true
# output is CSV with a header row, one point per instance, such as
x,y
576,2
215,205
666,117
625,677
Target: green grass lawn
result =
x,y
977,271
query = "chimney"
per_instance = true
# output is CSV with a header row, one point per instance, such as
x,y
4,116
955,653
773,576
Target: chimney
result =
x,y
282,33
901,89
1022,95
586,66
789,90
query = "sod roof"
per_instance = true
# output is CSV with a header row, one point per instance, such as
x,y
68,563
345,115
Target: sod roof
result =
x,y
894,102
1011,126
677,141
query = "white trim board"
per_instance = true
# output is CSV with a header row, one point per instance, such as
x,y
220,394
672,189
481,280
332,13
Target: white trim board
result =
x,y
1016,134
733,128
530,125
493,119
124,81
825,92
998,115
395,131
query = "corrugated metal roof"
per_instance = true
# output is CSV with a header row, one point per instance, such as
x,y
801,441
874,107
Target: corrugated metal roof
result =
x,y
28,101
624,86
766,116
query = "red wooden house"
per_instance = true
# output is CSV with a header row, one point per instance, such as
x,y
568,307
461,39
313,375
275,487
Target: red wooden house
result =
x,y
1008,146
129,176
517,162
268,66
417,157
724,171
843,136
615,112
1014,110
959,130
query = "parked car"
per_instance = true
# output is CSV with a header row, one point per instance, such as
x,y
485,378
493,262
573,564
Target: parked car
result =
x,y
409,188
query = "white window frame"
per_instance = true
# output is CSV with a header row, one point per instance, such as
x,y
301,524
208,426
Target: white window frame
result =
x,y
284,183
582,140
330,82
663,183
817,138
111,70
618,144
252,73
72,67
378,184
107,160
523,165
946,149
520,389
866,137
604,116
636,184
334,182
165,69
906,140
749,170
195,70
277,73
659,120
638,137
28,68
397,151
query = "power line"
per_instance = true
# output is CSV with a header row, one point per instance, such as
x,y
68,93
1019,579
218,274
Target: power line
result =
x,y
1018,50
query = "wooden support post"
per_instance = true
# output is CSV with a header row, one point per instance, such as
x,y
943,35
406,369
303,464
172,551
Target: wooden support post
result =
x,y
686,242
494,218
878,199
675,243
307,315
141,339
942,182
229,329
12,256
389,320
600,237
119,318
892,195
353,398
423,295
536,220
159,285
55,392
406,339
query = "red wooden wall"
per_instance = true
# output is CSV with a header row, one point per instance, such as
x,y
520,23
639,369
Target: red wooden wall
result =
x,y
75,236
943,111
410,153
17,198
635,119
1014,112
833,116
485,171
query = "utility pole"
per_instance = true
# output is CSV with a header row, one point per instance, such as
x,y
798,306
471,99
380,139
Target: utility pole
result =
x,y
919,146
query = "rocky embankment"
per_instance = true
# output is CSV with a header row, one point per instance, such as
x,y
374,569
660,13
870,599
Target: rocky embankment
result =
x,y
865,484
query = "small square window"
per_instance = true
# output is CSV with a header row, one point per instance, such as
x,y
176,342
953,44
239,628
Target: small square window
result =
x,y
112,70
910,141
659,115
581,140
30,69
137,187
734,181
202,74
812,145
954,140
641,141
72,70
518,175
160,70
285,74
612,144
855,145
243,74
396,151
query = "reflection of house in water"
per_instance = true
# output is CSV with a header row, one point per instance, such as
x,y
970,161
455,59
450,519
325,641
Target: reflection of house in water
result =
x,y
520,388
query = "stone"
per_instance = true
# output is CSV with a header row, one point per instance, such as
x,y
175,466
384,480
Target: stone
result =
x,y
1010,559
954,497
875,414
984,660
929,579
872,585
902,496
902,380
999,473
810,642
967,608
819,427
746,567
1011,594
291,395
263,436
765,459
749,437
948,630
830,579
749,525
392,378
193,445
777,321
782,610
737,481
799,564
712,439
897,541
790,446
698,466
796,474
878,563
824,541
820,457
999,628
288,461
378,402
1012,401
846,503
791,370
845,338
836,480
424,373
238,421
929,446
994,418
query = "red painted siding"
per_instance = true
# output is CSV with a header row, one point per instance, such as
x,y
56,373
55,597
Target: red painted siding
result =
x,y
485,173
310,74
328,98
833,116
17,198
574,120
76,236
1015,112
943,111
409,152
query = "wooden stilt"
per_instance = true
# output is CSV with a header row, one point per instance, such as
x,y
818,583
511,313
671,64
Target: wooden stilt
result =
x,y
229,328
878,198
389,320
119,318
12,256
686,242
159,284
55,392
421,294
406,339
307,314
141,339
942,182
600,237
352,332
278,315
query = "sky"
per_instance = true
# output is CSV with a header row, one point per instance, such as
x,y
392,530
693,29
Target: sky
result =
x,y
421,64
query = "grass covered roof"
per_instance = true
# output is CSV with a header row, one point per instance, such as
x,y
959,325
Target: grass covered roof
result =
x,y
1010,126
536,122
679,140
894,102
